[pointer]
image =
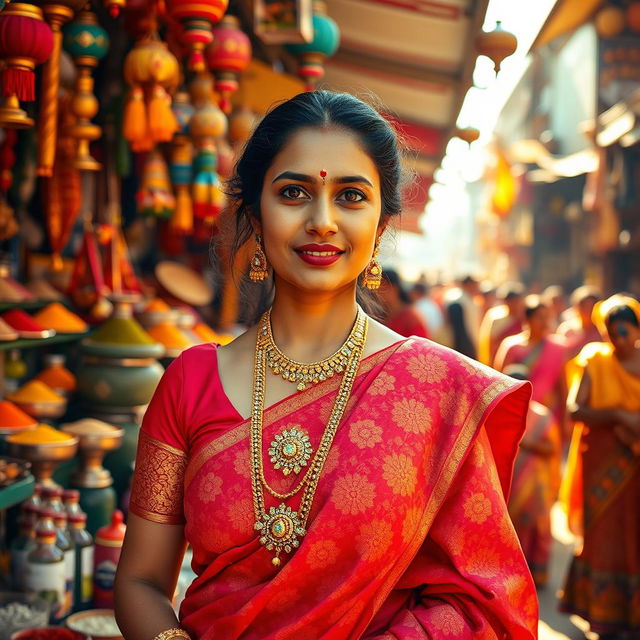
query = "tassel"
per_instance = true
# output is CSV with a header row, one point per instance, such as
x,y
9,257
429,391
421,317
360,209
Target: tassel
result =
x,y
208,198
162,122
18,81
134,124
182,220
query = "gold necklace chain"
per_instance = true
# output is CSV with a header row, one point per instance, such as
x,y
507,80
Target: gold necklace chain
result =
x,y
357,338
281,527
304,373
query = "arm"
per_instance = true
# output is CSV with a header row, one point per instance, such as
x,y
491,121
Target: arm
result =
x,y
146,578
580,411
469,580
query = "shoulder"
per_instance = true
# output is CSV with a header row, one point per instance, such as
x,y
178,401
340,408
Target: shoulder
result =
x,y
595,353
558,340
197,356
431,362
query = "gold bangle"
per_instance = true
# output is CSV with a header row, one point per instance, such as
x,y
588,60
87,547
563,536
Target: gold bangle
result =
x,y
169,634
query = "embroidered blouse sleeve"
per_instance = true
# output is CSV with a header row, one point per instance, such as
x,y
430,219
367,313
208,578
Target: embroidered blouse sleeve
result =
x,y
157,489
469,579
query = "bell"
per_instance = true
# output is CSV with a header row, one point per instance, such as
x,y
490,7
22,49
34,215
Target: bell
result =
x,y
12,116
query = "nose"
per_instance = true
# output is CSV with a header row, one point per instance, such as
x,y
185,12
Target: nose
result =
x,y
322,219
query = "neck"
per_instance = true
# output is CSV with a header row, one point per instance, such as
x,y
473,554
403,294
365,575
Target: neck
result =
x,y
311,326
535,336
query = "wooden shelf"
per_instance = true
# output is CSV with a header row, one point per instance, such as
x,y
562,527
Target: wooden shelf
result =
x,y
24,343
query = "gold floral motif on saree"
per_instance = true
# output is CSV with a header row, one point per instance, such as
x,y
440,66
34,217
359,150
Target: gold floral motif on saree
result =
x,y
157,489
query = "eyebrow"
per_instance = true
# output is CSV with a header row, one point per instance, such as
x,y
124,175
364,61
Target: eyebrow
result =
x,y
303,177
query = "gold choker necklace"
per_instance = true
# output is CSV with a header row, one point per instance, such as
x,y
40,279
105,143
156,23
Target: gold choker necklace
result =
x,y
303,373
281,528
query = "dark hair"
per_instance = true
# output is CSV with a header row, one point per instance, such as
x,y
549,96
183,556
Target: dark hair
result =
x,y
510,290
313,109
392,278
583,293
622,313
532,304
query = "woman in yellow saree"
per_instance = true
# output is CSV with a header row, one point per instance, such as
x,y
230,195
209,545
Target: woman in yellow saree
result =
x,y
603,585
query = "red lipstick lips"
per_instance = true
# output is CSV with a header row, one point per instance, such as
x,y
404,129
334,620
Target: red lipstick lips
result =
x,y
319,255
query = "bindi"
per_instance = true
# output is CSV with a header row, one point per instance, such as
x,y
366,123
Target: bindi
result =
x,y
323,175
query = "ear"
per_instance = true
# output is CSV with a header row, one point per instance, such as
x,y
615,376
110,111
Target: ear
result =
x,y
382,226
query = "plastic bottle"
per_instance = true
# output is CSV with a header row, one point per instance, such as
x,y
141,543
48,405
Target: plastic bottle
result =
x,y
33,503
71,500
63,542
84,551
20,547
44,576
108,545
51,498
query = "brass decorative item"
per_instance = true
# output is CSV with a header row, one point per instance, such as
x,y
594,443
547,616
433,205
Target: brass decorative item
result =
x,y
44,457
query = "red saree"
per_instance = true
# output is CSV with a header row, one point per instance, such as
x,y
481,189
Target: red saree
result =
x,y
409,535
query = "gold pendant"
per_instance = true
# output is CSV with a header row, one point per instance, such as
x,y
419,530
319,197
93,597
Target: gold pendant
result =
x,y
290,451
281,530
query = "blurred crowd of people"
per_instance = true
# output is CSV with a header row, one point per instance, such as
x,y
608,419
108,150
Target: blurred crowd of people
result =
x,y
582,440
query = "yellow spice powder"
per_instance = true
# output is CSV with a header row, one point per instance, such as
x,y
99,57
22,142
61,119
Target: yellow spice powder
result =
x,y
35,391
42,434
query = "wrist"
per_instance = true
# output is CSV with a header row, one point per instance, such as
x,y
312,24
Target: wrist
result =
x,y
172,634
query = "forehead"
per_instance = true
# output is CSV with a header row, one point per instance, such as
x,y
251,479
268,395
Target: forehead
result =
x,y
336,151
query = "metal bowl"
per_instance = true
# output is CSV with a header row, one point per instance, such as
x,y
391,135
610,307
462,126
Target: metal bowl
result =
x,y
43,409
45,451
75,623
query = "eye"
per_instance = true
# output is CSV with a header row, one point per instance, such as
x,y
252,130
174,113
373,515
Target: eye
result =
x,y
353,196
293,192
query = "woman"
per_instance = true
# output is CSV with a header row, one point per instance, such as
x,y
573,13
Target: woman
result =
x,y
401,315
543,354
535,480
603,585
364,505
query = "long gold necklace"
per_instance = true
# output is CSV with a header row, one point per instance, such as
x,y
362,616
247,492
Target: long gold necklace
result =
x,y
281,527
305,373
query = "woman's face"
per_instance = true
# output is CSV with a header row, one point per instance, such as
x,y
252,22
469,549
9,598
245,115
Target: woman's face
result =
x,y
539,321
623,336
319,234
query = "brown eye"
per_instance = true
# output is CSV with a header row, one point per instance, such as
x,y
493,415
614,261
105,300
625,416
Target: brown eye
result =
x,y
293,193
353,196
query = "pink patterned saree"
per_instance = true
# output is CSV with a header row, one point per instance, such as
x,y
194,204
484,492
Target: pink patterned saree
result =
x,y
409,536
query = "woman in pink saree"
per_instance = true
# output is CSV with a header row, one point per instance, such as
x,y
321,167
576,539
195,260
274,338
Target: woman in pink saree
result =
x,y
407,535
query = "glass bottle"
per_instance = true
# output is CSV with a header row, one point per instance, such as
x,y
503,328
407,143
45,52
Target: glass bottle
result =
x,y
71,500
52,499
63,541
20,547
44,576
83,546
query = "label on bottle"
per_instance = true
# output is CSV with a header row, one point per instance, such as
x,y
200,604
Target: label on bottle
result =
x,y
69,574
104,577
86,574
47,581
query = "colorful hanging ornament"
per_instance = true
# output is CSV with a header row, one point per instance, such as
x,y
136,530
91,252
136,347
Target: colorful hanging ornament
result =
x,y
87,43
207,124
62,193
468,134
180,167
56,14
25,41
497,45
197,19
228,56
154,197
119,275
241,125
311,55
114,7
152,71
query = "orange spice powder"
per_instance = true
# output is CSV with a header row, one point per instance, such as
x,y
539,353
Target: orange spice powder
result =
x,y
42,434
13,418
35,391
57,316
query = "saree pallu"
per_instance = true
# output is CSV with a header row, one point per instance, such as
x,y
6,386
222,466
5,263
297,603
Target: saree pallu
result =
x,y
603,585
535,486
409,535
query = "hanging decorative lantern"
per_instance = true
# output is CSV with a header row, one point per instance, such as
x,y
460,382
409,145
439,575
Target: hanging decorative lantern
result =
x,y
311,55
610,21
25,41
633,16
228,56
497,45
87,43
152,71
197,19
56,14
114,7
154,197
207,124
180,166
468,134
241,125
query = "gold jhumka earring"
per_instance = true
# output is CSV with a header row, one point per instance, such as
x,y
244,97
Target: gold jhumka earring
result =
x,y
258,267
372,275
